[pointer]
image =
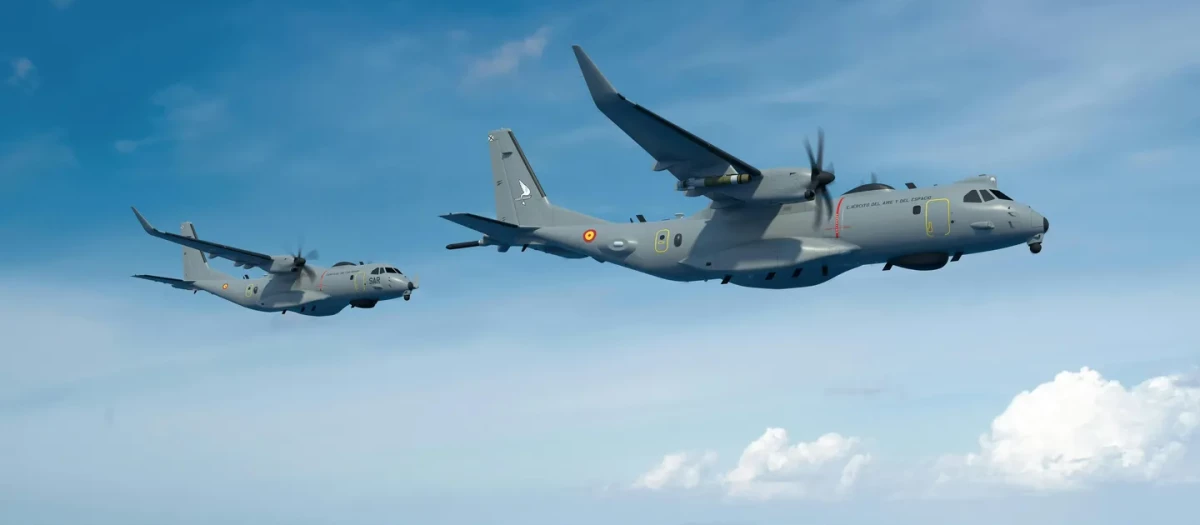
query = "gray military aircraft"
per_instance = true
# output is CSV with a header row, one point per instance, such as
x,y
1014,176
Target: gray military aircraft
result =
x,y
291,283
764,228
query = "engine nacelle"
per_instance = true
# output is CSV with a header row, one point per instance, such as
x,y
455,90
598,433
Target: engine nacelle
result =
x,y
285,263
776,186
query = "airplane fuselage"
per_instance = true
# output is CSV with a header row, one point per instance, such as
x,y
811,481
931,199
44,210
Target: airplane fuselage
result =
x,y
781,247
323,292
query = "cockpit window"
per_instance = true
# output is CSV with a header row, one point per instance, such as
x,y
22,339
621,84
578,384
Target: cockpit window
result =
x,y
377,271
1000,195
389,269
972,197
986,196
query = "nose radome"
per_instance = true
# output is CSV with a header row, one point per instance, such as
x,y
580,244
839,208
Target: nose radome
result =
x,y
1045,224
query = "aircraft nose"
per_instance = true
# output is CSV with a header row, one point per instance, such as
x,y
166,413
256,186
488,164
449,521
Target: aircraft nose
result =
x,y
1038,220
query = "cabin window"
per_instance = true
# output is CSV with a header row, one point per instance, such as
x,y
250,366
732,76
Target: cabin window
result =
x,y
1000,195
678,239
917,209
972,197
986,196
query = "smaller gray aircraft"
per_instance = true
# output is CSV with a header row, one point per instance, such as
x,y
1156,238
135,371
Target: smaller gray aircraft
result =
x,y
291,283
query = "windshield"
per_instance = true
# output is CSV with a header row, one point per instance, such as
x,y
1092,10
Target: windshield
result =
x,y
1000,195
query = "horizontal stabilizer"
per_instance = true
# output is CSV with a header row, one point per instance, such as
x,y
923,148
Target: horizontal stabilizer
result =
x,y
498,230
176,283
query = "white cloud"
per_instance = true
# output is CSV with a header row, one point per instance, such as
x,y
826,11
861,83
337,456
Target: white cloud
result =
x,y
190,113
187,114
682,469
1078,431
1081,429
37,156
769,468
24,74
508,57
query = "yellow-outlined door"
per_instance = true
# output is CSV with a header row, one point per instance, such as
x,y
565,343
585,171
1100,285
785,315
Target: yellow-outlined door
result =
x,y
662,240
934,223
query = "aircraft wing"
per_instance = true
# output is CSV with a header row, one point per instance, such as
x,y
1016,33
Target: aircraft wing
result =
x,y
242,257
674,149
177,283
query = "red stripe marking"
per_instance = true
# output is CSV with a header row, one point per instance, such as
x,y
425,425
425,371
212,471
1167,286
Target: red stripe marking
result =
x,y
837,219
321,282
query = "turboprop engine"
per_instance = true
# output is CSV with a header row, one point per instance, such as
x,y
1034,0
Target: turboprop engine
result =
x,y
775,186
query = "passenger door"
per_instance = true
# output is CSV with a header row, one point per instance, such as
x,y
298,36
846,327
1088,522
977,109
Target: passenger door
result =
x,y
937,217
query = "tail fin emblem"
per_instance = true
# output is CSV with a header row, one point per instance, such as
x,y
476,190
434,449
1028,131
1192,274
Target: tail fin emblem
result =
x,y
524,190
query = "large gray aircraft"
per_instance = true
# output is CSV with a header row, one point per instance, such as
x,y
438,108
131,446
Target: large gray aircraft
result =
x,y
764,228
291,283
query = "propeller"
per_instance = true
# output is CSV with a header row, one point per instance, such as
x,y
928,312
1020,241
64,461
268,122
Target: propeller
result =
x,y
301,259
820,179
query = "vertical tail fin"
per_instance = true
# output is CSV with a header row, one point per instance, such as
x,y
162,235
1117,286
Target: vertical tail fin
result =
x,y
195,264
520,198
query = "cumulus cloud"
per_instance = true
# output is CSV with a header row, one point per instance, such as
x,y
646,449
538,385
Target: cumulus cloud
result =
x,y
680,470
769,468
1078,431
508,57
1082,429
24,74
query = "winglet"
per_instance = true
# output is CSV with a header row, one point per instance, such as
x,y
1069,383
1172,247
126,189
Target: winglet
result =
x,y
673,148
602,90
145,223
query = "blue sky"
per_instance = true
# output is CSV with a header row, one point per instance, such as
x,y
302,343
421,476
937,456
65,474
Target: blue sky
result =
x,y
521,388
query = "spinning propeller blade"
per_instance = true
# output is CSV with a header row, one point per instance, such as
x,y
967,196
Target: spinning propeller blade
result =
x,y
301,259
820,178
